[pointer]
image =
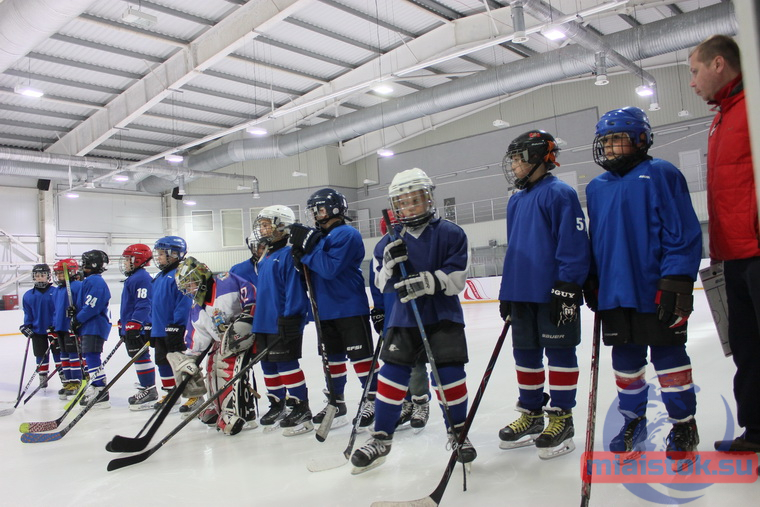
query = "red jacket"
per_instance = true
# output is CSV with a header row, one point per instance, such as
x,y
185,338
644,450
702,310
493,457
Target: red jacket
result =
x,y
731,199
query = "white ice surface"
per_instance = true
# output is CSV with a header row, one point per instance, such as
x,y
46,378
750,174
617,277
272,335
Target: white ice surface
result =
x,y
202,467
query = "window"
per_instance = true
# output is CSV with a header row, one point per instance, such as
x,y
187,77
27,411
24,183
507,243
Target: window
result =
x,y
203,221
232,228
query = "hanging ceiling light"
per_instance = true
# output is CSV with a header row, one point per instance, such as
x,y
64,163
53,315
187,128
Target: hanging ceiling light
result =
x,y
644,91
385,152
28,91
257,131
173,158
138,17
383,89
518,22
553,32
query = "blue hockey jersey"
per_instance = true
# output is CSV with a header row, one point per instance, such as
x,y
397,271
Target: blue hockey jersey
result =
x,y
441,248
247,270
281,291
39,306
168,304
206,323
336,274
92,307
547,241
643,227
135,299
60,321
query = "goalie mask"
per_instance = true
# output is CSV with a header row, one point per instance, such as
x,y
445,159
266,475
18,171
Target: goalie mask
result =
x,y
70,265
623,138
135,257
194,279
273,224
525,155
411,198
41,276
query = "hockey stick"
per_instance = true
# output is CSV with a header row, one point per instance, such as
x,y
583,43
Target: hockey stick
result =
x,y
36,427
37,389
126,461
97,373
127,444
35,438
338,461
423,334
591,420
10,410
435,497
31,379
332,403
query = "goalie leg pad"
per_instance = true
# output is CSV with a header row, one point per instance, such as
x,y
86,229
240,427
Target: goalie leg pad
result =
x,y
236,404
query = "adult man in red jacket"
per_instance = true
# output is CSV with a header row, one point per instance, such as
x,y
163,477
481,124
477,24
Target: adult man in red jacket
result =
x,y
716,76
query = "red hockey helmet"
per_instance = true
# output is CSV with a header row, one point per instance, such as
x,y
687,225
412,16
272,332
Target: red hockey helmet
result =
x,y
71,265
134,257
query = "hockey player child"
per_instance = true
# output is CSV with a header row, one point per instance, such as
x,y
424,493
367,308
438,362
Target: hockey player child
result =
x,y
334,254
281,312
221,314
546,263
135,317
169,312
248,269
38,304
646,243
90,321
436,257
67,341
415,409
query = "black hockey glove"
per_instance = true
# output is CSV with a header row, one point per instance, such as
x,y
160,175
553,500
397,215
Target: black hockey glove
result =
x,y
76,326
417,285
505,309
52,335
565,303
591,292
394,253
674,300
304,238
71,311
175,338
297,253
146,333
377,316
289,328
26,330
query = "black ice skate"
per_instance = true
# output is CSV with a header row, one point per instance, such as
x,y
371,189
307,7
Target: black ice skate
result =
x,y
405,417
629,443
524,430
298,421
372,454
367,416
420,412
143,399
739,444
682,443
557,438
43,380
102,399
277,412
340,417
467,452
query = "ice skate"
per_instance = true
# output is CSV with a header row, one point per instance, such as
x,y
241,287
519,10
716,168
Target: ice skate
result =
x,y
298,421
557,438
277,412
739,444
160,403
340,417
367,415
372,454
405,417
209,416
682,443
629,443
143,399
95,393
191,404
420,412
43,380
70,389
467,452
523,431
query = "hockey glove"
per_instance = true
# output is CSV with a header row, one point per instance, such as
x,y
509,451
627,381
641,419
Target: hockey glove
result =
x,y
175,338
76,326
304,238
591,292
377,316
674,300
71,311
565,303
416,285
505,309
146,333
52,335
394,253
289,328
26,330
297,253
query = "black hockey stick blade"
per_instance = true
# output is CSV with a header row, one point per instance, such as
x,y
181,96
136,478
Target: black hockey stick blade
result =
x,y
326,424
126,461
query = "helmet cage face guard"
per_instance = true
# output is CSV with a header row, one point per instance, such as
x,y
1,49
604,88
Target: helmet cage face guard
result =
x,y
324,205
534,147
134,257
41,276
174,249
71,266
413,206
272,224
193,279
631,121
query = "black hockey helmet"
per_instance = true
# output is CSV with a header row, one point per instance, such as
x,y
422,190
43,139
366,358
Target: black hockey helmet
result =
x,y
38,272
535,147
333,202
94,261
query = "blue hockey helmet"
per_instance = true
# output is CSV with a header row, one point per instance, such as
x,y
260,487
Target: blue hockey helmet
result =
x,y
173,248
629,121
330,200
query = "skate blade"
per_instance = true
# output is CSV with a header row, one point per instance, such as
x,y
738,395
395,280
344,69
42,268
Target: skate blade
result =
x,y
554,452
416,431
141,407
339,422
525,442
271,428
302,428
681,461
403,427
360,470
628,457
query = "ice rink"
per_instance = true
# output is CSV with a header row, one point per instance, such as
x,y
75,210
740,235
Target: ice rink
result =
x,y
201,467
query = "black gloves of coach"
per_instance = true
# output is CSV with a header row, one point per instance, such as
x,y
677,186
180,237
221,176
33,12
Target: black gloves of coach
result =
x,y
175,338
378,319
565,303
674,300
505,309
304,238
289,328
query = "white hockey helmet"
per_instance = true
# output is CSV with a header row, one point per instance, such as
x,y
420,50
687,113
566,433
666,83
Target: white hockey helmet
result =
x,y
411,197
273,223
